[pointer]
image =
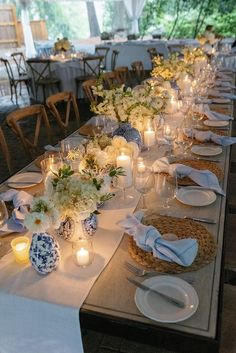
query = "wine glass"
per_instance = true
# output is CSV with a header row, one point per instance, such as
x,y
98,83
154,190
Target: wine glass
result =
x,y
3,214
143,182
165,190
169,133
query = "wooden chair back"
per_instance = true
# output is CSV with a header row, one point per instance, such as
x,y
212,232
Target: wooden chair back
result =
x,y
109,80
114,57
92,65
69,98
138,70
8,69
5,150
19,60
102,51
122,75
87,88
15,120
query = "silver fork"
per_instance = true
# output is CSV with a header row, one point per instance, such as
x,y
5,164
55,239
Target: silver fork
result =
x,y
139,272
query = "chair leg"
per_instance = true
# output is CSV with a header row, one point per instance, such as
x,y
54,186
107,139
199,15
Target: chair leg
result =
x,y
44,94
15,88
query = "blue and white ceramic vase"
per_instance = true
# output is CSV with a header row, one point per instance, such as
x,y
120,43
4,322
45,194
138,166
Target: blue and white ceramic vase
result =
x,y
71,229
44,253
129,133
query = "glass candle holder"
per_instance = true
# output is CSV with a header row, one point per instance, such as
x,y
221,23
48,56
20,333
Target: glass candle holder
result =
x,y
82,251
20,247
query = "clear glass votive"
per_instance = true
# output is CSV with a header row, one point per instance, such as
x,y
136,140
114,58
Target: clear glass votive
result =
x,y
82,251
20,247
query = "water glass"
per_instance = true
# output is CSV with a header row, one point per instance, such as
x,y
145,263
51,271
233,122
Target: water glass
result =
x,y
165,190
143,182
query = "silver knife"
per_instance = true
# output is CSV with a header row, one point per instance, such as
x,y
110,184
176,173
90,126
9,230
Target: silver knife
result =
x,y
171,300
198,219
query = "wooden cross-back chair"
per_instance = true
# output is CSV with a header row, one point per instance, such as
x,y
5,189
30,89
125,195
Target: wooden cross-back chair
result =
x,y
87,88
102,51
91,70
122,75
15,120
5,150
63,120
42,76
20,62
110,80
15,81
114,57
138,70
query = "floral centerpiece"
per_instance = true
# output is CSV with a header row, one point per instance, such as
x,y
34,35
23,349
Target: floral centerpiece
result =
x,y
134,106
170,69
191,55
62,45
97,161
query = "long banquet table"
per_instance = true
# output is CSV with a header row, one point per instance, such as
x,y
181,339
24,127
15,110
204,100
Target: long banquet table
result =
x,y
110,305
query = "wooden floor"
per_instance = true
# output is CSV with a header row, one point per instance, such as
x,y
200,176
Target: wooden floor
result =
x,y
98,343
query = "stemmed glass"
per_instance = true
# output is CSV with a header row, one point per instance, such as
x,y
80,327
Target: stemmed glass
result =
x,y
169,133
143,182
3,214
165,190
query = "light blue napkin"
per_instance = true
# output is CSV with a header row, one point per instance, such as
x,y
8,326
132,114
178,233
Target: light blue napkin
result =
x,y
182,252
21,200
210,136
213,115
204,178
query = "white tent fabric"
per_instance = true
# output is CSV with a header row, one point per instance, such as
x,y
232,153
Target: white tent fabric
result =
x,y
28,37
134,10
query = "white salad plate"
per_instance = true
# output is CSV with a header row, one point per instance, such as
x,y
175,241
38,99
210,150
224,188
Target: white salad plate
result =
x,y
24,180
195,196
216,123
157,308
206,150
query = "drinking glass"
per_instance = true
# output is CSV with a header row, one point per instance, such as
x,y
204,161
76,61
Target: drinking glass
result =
x,y
3,214
165,190
169,133
143,182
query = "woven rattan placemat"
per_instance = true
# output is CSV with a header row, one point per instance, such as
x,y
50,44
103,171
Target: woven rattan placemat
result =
x,y
182,228
196,164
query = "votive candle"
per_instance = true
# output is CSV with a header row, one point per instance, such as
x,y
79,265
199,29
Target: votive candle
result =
x,y
20,247
82,257
149,138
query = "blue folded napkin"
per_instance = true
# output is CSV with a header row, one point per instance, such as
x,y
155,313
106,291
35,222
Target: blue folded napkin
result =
x,y
182,252
210,136
211,115
21,200
204,178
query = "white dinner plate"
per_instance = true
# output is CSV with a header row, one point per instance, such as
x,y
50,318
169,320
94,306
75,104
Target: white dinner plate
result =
x,y
195,196
220,100
206,150
24,180
216,123
157,308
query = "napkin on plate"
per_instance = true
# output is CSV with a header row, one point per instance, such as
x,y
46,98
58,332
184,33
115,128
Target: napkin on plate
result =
x,y
21,200
204,136
52,148
212,115
182,252
204,178
218,94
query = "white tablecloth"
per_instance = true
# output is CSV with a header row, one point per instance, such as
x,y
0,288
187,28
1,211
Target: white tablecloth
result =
x,y
135,51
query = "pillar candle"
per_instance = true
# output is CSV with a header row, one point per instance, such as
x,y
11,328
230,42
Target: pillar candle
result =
x,y
124,161
149,138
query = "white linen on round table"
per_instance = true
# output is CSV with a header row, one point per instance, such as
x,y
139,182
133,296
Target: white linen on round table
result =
x,y
135,51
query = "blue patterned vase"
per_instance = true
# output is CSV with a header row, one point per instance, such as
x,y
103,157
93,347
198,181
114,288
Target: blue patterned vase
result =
x,y
90,224
70,228
129,133
44,253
